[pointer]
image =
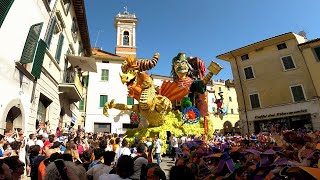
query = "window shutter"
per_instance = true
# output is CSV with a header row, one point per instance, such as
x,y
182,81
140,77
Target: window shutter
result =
x,y
38,59
59,48
81,105
103,100
50,31
130,101
31,44
5,6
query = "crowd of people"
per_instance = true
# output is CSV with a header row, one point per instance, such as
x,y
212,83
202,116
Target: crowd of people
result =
x,y
74,154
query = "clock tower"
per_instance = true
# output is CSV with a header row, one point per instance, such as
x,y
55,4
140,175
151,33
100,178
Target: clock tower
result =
x,y
126,24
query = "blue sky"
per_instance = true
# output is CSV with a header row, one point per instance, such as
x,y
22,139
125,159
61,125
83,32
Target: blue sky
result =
x,y
202,28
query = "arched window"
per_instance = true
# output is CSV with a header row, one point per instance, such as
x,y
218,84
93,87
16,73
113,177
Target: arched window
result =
x,y
126,38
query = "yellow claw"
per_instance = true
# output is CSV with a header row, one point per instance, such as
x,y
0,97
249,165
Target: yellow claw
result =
x,y
108,105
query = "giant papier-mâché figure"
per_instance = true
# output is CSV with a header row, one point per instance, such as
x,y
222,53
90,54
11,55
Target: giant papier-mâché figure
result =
x,y
189,74
152,105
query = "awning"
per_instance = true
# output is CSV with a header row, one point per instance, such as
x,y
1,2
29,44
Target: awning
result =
x,y
85,63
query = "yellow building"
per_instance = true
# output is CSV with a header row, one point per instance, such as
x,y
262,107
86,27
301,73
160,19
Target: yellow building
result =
x,y
229,122
275,86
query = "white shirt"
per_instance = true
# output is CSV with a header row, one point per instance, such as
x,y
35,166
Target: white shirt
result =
x,y
174,142
31,142
122,151
10,140
111,177
99,169
40,143
158,144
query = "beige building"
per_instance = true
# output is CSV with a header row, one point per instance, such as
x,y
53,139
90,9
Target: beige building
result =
x,y
227,123
275,85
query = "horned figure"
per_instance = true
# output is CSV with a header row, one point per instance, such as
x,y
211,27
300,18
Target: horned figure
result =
x,y
152,105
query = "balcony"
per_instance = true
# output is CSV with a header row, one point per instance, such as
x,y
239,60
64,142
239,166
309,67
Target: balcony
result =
x,y
71,86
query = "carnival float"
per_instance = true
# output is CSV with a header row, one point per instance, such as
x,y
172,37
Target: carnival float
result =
x,y
179,106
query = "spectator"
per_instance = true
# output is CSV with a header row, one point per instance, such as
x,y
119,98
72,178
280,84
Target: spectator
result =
x,y
124,169
71,170
96,171
158,144
16,166
181,172
140,160
97,157
2,142
5,171
123,150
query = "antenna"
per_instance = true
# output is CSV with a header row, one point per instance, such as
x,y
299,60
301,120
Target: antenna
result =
x,y
95,44
303,34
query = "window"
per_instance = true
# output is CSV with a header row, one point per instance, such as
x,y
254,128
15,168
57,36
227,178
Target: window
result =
x,y
255,102
104,74
317,52
5,6
213,100
85,81
282,46
31,44
244,57
297,93
43,104
231,111
248,72
126,38
103,100
50,31
130,101
105,61
288,63
230,99
66,5
74,29
79,49
59,48
81,105
228,88
213,109
219,89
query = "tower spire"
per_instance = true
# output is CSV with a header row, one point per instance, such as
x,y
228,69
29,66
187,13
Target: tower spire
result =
x,y
125,24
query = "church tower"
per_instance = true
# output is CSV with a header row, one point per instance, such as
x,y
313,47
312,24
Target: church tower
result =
x,y
126,24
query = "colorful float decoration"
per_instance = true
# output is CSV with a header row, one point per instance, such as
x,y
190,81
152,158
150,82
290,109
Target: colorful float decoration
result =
x,y
135,118
181,101
191,115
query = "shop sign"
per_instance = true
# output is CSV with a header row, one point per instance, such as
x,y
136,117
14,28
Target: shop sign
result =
x,y
280,114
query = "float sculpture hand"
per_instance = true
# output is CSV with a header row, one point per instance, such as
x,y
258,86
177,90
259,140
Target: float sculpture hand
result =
x,y
108,105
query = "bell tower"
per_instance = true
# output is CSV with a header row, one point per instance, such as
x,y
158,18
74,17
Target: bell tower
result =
x,y
126,24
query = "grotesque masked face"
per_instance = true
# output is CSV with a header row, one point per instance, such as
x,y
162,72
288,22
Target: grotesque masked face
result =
x,y
129,78
180,65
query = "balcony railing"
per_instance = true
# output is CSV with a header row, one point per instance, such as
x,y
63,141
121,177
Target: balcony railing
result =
x,y
71,86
